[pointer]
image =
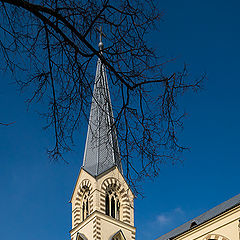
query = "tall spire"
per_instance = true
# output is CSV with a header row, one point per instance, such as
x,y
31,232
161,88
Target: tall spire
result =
x,y
101,148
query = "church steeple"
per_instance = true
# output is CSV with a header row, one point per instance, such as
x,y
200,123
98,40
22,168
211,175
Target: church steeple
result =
x,y
101,148
102,202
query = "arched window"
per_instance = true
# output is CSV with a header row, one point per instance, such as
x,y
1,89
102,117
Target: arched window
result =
x,y
83,211
118,210
113,207
85,205
81,236
112,203
118,236
107,204
87,209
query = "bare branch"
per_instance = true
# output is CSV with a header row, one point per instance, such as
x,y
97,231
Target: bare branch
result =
x,y
50,47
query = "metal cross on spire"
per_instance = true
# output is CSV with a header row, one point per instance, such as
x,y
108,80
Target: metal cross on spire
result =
x,y
100,45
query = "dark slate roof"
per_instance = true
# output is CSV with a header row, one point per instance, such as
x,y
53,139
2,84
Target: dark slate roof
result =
x,y
101,148
227,205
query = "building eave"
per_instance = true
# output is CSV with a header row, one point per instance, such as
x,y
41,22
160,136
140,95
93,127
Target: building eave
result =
x,y
227,207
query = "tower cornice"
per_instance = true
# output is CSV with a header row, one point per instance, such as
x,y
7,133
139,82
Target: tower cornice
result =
x,y
97,213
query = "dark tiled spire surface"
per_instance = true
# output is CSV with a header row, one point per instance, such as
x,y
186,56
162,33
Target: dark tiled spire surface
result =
x,y
101,149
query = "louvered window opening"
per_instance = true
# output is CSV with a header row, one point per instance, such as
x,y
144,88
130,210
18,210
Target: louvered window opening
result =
x,y
85,205
112,205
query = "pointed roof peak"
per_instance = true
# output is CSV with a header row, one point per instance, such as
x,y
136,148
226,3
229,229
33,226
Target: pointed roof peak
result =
x,y
101,148
100,45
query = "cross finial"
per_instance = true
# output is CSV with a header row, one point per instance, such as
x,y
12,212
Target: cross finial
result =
x,y
100,45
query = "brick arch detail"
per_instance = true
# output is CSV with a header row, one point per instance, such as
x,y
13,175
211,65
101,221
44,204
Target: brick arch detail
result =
x,y
123,195
215,237
111,181
83,186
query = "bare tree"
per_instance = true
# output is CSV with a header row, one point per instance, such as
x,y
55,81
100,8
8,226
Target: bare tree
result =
x,y
5,124
51,48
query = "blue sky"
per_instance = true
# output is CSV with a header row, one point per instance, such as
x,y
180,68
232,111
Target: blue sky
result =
x,y
35,192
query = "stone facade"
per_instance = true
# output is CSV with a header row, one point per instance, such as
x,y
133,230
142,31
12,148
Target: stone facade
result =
x,y
219,223
223,227
97,224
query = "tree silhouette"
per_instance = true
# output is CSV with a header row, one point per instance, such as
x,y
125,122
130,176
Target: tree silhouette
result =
x,y
51,49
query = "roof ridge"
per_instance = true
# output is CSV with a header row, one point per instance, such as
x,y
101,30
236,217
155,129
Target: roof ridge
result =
x,y
204,217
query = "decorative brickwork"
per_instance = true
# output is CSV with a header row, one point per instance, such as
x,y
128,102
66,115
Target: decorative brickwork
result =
x,y
96,229
124,198
83,187
215,237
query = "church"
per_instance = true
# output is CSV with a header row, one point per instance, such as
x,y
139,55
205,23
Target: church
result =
x,y
103,203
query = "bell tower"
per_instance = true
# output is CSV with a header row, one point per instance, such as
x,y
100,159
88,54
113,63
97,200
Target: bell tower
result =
x,y
102,202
